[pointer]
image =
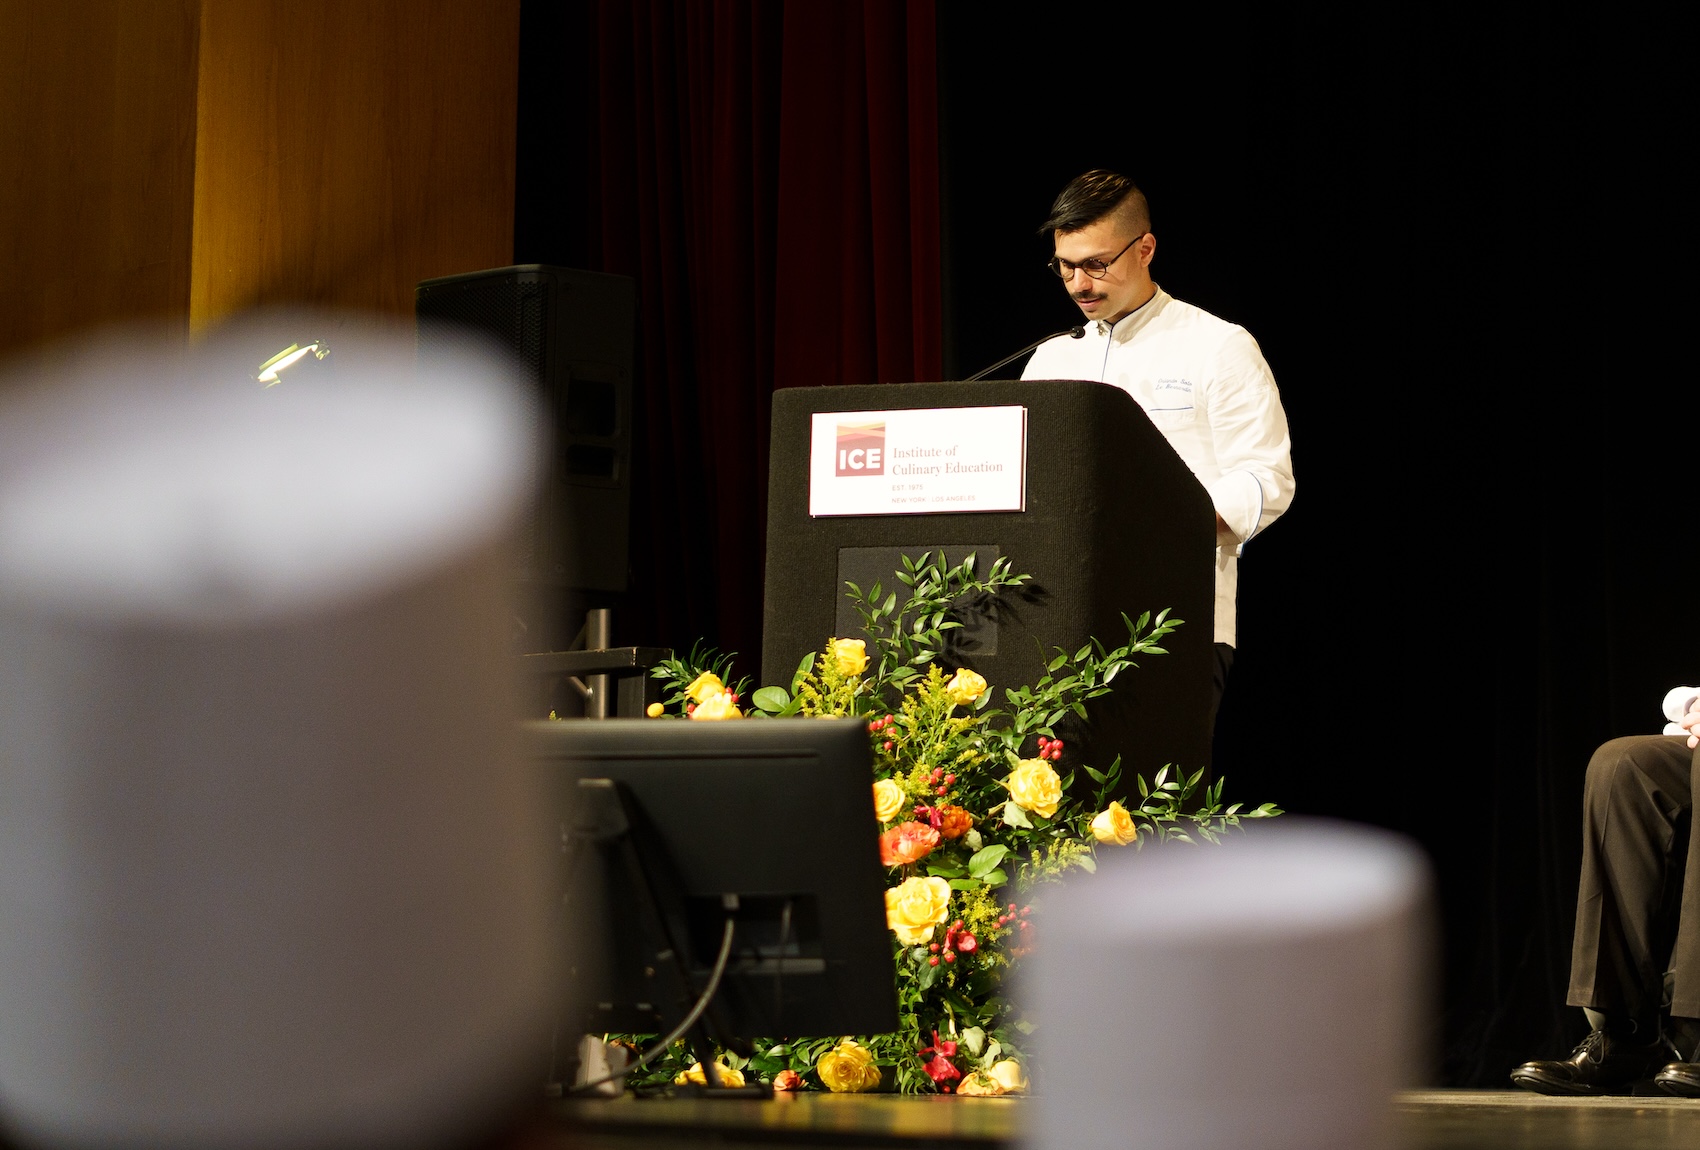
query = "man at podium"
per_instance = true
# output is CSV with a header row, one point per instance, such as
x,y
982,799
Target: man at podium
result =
x,y
1201,380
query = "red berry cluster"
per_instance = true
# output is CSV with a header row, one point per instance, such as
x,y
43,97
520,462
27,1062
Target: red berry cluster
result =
x,y
875,726
1017,917
1050,748
941,782
957,940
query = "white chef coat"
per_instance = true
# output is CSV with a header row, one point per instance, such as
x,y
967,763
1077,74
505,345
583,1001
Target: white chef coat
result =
x,y
1205,385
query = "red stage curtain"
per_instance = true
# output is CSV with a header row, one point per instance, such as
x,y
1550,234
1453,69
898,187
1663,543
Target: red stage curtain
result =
x,y
768,171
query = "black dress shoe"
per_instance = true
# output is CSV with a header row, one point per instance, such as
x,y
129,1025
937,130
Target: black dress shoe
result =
x,y
1680,1078
1601,1064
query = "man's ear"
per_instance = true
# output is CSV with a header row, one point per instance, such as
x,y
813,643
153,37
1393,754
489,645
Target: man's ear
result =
x,y
1147,249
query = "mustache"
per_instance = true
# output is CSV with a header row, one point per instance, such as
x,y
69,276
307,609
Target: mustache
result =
x,y
1083,296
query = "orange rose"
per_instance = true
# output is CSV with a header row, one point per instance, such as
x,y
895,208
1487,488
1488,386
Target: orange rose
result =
x,y
787,1080
954,822
906,843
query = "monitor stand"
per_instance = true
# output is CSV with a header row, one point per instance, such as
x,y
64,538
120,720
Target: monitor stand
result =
x,y
603,821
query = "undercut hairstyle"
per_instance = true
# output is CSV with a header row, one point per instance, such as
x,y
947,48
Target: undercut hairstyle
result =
x,y
1089,198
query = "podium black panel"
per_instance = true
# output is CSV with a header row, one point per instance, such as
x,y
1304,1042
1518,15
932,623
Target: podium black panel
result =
x,y
1115,522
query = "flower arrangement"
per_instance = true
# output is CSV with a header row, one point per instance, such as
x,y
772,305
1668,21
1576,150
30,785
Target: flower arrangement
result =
x,y
976,804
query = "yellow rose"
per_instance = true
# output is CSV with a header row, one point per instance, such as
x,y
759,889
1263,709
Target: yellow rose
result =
x,y
848,1069
915,906
1005,1077
728,1076
850,656
888,799
1009,1075
964,687
704,687
1034,786
717,706
1114,825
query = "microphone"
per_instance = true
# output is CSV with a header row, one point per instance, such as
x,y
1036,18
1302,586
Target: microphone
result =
x,y
1071,332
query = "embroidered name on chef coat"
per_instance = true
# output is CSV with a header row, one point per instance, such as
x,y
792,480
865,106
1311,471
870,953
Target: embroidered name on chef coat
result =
x,y
1172,395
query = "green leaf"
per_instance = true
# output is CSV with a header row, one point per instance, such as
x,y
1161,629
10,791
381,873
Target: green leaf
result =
x,y
996,879
974,1039
803,669
965,884
984,861
1014,816
1088,864
1096,776
771,698
945,870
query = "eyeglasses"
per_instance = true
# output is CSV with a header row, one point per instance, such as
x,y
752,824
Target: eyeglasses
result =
x,y
1094,268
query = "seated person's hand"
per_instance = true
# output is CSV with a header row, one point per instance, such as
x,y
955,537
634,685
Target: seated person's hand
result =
x,y
1690,723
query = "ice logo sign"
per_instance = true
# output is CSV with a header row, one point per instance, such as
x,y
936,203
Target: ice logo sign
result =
x,y
861,448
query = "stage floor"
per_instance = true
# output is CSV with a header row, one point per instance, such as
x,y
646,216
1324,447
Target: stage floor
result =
x,y
1428,1119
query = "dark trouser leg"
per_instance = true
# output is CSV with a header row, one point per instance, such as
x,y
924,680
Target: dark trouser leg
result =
x,y
1219,679
1636,828
1685,954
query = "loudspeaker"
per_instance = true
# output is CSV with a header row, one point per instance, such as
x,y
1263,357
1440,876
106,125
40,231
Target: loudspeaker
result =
x,y
574,332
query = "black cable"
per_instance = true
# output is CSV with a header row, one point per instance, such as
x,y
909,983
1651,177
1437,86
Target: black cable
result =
x,y
697,1011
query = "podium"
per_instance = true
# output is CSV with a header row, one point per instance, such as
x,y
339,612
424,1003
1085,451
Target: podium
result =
x,y
1114,522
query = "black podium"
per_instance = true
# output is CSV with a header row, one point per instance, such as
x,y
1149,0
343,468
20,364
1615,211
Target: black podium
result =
x,y
1114,522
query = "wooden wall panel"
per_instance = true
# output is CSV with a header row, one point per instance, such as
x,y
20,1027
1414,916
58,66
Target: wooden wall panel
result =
x,y
347,150
97,143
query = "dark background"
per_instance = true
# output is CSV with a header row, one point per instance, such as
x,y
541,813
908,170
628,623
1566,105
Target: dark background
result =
x,y
1459,235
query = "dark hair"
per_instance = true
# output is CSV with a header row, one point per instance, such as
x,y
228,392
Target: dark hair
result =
x,y
1089,198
